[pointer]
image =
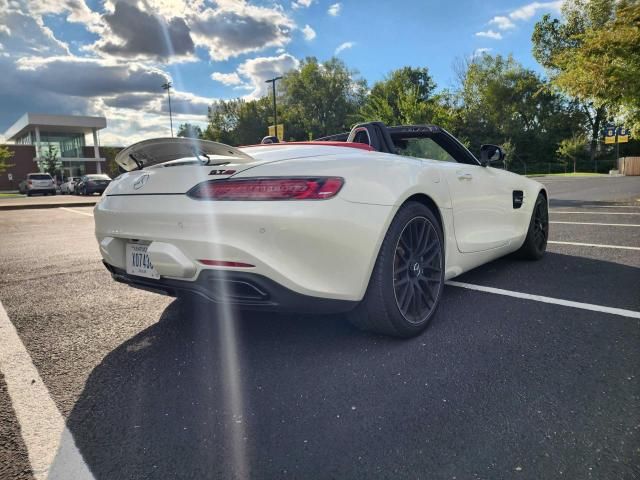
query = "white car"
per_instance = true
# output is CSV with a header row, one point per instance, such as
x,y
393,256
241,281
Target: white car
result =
x,y
69,185
372,226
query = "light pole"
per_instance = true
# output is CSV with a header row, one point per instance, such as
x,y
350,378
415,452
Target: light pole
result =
x,y
275,110
167,86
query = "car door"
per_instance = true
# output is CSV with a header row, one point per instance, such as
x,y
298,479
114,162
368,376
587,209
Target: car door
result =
x,y
481,198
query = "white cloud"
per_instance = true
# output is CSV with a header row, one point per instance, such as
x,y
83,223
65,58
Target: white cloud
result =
x,y
502,22
259,69
236,28
343,46
520,14
528,11
490,34
309,33
478,52
301,4
334,10
226,78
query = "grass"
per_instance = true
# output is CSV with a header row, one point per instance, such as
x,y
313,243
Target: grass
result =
x,y
10,195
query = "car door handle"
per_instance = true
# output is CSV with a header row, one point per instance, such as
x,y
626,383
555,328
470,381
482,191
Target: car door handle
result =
x,y
464,176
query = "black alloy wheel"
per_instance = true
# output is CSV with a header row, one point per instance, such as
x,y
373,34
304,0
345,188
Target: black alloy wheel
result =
x,y
408,277
541,225
417,270
535,243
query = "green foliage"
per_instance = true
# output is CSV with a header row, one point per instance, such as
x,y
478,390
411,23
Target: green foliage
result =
x,y
238,122
559,46
109,154
500,101
573,148
320,99
404,97
604,67
188,130
50,162
5,156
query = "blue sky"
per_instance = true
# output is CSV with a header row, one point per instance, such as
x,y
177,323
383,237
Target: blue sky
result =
x,y
110,57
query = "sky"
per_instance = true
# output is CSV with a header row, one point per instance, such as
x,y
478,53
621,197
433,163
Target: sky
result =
x,y
110,58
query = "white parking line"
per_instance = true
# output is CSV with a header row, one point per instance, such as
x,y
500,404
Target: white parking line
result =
x,y
612,206
52,451
597,245
76,211
540,298
558,212
600,224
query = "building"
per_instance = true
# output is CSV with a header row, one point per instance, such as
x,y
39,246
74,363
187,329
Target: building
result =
x,y
36,135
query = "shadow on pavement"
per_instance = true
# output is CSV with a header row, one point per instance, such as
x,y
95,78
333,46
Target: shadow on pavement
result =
x,y
496,387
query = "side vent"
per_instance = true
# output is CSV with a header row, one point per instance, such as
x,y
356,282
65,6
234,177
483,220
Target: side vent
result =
x,y
518,198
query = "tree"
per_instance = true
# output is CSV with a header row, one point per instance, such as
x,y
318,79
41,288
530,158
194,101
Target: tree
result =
x,y
189,131
238,122
403,97
50,163
555,42
605,65
5,156
499,100
572,148
320,99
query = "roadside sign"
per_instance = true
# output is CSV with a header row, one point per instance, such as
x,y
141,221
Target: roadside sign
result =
x,y
609,134
623,135
10,175
280,135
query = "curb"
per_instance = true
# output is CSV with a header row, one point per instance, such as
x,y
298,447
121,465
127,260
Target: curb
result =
x,y
29,206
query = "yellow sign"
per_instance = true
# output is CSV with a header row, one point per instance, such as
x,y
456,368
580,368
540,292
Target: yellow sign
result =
x,y
272,131
623,135
610,135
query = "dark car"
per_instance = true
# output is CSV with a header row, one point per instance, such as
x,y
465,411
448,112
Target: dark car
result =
x,y
90,184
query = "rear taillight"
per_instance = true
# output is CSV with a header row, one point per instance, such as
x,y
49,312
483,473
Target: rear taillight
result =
x,y
317,188
29,182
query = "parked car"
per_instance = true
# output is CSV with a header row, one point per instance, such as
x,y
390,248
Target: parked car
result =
x,y
372,226
69,185
90,184
42,183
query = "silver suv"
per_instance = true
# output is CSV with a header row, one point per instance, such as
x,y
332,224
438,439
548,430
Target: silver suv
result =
x,y
37,183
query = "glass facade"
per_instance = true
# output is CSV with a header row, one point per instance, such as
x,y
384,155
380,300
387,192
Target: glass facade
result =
x,y
65,145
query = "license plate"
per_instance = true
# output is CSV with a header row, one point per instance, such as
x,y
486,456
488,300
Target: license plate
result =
x,y
138,261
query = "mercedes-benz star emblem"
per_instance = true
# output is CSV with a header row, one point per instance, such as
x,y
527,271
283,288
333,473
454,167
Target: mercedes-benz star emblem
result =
x,y
139,183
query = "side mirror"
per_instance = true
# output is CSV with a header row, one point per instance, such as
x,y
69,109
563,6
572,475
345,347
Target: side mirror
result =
x,y
491,154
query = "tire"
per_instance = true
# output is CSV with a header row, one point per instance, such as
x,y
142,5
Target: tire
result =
x,y
405,288
535,243
28,194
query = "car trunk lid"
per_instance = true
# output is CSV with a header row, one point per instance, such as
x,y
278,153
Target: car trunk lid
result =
x,y
174,165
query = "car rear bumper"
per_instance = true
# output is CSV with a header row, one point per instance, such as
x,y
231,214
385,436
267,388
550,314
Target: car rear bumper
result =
x,y
314,248
245,290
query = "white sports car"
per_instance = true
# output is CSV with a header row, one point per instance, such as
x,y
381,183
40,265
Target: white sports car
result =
x,y
371,223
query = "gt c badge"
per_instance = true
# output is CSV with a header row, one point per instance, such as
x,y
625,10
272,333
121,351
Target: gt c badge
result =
x,y
222,172
139,183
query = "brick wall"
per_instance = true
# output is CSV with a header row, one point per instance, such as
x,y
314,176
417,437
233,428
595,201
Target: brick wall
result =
x,y
23,164
22,159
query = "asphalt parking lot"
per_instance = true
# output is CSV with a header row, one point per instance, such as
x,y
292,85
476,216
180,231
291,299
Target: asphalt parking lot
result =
x,y
537,378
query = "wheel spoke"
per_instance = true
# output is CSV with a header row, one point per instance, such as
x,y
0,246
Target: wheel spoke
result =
x,y
417,271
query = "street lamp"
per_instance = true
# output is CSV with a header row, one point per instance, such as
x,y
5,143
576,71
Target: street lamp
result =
x,y
167,86
275,110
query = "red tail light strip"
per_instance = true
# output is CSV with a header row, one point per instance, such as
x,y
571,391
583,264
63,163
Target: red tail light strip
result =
x,y
270,188
222,263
